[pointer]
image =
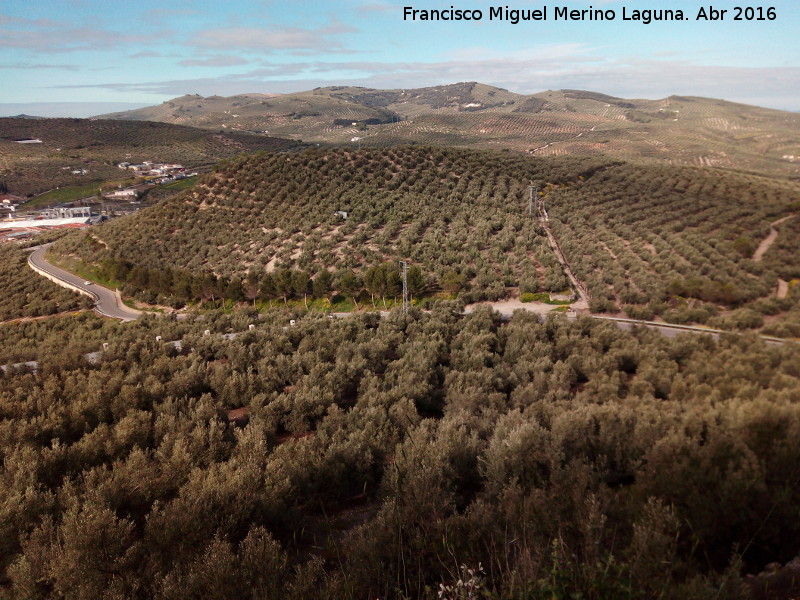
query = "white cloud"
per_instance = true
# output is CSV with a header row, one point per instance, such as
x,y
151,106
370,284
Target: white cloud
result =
x,y
146,54
161,15
50,37
214,61
376,7
574,52
633,78
27,66
273,38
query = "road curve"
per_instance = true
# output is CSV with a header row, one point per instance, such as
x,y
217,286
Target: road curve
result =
x,y
106,301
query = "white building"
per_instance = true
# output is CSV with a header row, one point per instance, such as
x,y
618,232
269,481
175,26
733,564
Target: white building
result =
x,y
127,194
63,212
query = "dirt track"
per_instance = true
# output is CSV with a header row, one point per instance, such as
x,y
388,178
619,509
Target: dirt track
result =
x,y
767,242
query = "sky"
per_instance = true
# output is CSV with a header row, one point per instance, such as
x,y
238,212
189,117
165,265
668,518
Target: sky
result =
x,y
97,54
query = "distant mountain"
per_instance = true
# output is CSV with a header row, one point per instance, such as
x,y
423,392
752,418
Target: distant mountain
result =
x,y
64,109
677,130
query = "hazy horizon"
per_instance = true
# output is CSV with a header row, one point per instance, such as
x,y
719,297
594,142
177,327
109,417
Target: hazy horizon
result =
x,y
77,110
141,53
84,110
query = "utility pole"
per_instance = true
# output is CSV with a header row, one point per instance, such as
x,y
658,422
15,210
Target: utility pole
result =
x,y
404,265
531,189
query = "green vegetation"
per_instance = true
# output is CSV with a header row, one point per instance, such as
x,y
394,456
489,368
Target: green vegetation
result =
x,y
180,185
782,255
160,192
672,238
658,241
28,294
90,272
73,193
458,217
375,457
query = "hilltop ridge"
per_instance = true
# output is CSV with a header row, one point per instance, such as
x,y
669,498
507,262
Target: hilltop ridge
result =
x,y
685,130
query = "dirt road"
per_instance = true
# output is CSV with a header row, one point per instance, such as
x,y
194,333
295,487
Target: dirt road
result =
x,y
767,242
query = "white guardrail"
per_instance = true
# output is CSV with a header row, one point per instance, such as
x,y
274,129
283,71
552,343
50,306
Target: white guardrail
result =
x,y
59,281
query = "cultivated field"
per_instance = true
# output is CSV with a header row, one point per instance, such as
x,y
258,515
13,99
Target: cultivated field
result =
x,y
99,145
676,130
677,242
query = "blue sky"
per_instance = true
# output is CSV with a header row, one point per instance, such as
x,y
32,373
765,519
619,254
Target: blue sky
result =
x,y
146,51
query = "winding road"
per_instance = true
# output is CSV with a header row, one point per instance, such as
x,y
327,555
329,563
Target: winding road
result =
x,y
107,302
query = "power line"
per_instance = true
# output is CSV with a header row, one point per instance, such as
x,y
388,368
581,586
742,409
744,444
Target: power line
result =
x,y
404,265
531,190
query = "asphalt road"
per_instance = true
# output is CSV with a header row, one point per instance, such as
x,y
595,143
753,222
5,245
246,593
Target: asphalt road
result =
x,y
106,304
672,330
105,300
506,309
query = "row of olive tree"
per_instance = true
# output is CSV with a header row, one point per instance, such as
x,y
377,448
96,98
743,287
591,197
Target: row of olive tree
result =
x,y
373,457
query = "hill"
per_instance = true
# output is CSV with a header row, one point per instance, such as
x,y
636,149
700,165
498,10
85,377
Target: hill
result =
x,y
97,146
676,241
675,130
445,210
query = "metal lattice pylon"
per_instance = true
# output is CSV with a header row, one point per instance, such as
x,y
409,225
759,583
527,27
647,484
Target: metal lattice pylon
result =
x,y
404,266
